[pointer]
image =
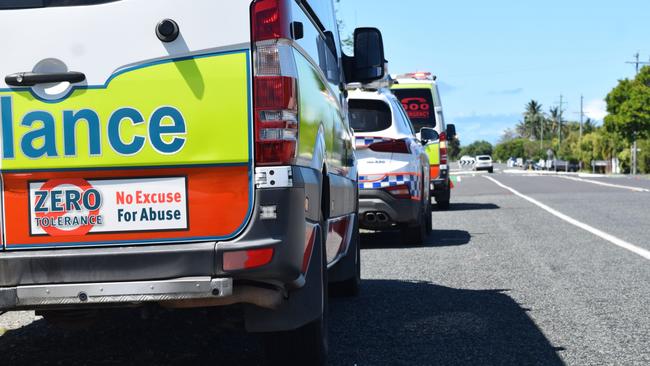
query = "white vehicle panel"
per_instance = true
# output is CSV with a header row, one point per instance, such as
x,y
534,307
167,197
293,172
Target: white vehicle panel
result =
x,y
100,39
383,169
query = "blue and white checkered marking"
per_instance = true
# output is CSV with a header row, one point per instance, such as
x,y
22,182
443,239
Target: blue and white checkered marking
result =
x,y
411,180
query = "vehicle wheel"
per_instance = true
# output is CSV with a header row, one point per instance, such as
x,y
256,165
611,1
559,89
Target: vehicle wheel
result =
x,y
429,217
415,235
307,345
73,320
491,170
351,286
442,201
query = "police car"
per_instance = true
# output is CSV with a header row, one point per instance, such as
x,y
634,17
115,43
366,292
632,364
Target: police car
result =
x,y
418,92
393,165
181,154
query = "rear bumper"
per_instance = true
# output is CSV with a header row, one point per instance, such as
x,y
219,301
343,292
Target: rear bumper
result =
x,y
70,278
442,178
119,292
398,211
485,167
442,182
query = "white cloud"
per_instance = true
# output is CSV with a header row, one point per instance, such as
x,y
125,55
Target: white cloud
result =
x,y
596,109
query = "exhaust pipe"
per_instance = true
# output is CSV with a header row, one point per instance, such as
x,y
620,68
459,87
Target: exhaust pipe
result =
x,y
370,217
382,217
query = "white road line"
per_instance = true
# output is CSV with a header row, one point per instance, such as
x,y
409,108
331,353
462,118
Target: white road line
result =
x,y
610,238
468,172
631,188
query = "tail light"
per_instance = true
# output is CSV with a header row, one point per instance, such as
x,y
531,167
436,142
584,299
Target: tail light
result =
x,y
247,259
443,148
418,75
401,191
275,86
391,146
270,20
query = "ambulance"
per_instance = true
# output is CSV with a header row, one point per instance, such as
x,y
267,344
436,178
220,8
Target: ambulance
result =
x,y
167,154
418,93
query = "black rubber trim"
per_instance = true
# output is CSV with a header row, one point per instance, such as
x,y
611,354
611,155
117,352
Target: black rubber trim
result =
x,y
22,79
26,4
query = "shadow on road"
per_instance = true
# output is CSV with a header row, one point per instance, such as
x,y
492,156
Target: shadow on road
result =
x,y
391,323
472,206
394,240
415,323
178,338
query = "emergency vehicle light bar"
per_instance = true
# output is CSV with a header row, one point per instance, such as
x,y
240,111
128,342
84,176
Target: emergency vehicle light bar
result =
x,y
419,75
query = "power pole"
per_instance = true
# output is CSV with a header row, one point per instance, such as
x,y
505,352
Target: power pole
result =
x,y
637,64
541,125
634,150
559,122
582,114
582,120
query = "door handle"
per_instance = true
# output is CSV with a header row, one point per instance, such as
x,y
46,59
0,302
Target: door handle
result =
x,y
34,78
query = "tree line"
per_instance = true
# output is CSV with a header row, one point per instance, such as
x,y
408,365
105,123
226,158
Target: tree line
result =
x,y
628,119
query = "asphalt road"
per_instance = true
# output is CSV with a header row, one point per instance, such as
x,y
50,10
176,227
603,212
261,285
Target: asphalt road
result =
x,y
500,282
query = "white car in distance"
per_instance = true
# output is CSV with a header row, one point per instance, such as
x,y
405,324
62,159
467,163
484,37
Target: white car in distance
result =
x,y
484,162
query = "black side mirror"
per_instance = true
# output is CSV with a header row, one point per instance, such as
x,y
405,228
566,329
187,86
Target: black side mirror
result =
x,y
451,131
369,62
428,134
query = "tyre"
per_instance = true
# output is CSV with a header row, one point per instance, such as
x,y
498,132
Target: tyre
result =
x,y
415,235
443,205
443,200
491,170
72,320
307,345
429,218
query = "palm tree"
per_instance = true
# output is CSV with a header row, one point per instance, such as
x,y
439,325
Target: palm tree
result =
x,y
532,125
554,117
533,108
589,126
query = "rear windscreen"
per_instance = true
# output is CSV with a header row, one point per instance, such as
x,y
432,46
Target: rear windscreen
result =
x,y
418,104
483,158
369,115
22,4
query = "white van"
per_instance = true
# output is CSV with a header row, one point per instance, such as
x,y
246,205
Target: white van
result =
x,y
418,93
181,154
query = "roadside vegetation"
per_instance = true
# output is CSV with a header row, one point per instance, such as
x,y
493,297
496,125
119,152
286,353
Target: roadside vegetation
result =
x,y
628,105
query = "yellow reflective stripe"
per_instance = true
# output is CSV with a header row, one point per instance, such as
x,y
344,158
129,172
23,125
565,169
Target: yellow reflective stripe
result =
x,y
413,86
210,94
433,151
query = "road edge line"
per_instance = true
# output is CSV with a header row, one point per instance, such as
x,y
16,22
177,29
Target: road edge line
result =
x,y
603,235
631,188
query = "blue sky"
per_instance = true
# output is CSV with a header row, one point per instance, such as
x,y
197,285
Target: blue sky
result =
x,y
492,57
